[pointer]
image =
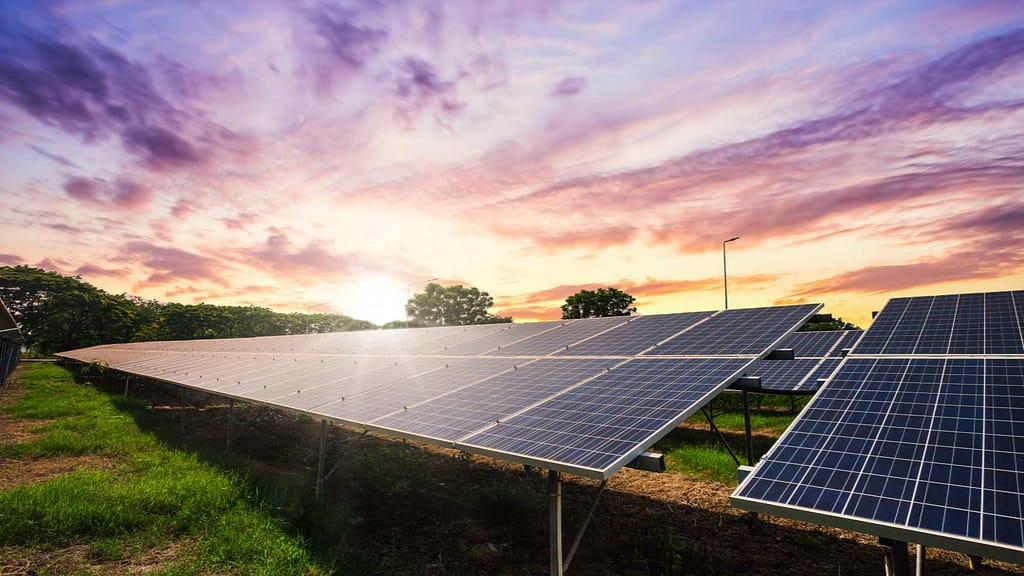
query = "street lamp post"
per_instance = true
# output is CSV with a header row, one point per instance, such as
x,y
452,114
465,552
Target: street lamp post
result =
x,y
725,272
408,288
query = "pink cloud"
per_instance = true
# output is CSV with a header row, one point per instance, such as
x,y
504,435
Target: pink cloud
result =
x,y
569,86
316,260
121,194
10,260
172,265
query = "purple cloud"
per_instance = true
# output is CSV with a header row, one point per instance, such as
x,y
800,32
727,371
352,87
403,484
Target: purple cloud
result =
x,y
337,46
570,86
89,90
172,265
418,86
122,194
159,149
316,260
88,270
55,157
10,260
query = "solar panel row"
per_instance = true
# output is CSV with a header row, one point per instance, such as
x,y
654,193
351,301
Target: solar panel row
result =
x,y
534,393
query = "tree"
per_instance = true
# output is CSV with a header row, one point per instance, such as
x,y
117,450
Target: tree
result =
x,y
835,323
452,306
598,303
58,312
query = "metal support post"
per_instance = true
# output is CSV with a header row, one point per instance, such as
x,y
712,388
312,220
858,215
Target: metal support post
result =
x,y
320,461
127,380
231,422
183,392
583,527
746,429
555,521
974,562
921,566
897,560
721,437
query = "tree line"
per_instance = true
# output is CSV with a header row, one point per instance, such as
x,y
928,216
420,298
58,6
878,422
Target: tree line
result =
x,y
57,312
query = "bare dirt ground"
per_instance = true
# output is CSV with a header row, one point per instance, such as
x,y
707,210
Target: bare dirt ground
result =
x,y
425,510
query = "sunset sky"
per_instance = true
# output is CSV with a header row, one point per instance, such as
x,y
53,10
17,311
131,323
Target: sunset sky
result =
x,y
324,156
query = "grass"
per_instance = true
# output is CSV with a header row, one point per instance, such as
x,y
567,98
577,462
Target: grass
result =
x,y
697,451
153,496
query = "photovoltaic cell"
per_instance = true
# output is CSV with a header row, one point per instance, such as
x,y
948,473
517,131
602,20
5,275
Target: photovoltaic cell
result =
x,y
639,334
736,332
603,421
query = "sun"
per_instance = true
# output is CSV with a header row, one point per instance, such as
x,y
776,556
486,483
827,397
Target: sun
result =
x,y
379,300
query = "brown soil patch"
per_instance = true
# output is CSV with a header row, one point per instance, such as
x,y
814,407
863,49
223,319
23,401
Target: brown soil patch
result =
x,y
32,470
82,558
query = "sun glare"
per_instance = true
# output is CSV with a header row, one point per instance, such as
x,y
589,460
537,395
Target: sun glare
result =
x,y
379,300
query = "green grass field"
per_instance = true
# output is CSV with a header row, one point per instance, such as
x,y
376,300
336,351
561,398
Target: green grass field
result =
x,y
152,497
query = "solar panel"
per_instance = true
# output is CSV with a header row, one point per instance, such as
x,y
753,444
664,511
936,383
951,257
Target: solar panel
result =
x,y
816,344
559,337
399,395
509,334
639,334
454,415
848,342
957,324
912,439
445,384
736,332
785,375
607,420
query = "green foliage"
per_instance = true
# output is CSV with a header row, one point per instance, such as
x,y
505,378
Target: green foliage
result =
x,y
836,323
452,306
598,303
58,313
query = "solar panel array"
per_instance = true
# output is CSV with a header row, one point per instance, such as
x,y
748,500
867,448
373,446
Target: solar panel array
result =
x,y
919,436
581,396
817,355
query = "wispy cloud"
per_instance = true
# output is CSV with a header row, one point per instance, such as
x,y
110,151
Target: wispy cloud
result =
x,y
569,86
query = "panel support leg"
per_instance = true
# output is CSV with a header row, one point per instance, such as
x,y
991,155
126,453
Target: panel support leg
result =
x,y
322,455
746,429
974,562
921,566
555,521
721,437
897,561
182,411
231,422
583,527
127,380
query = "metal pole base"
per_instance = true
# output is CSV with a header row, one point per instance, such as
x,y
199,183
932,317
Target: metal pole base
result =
x,y
555,521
